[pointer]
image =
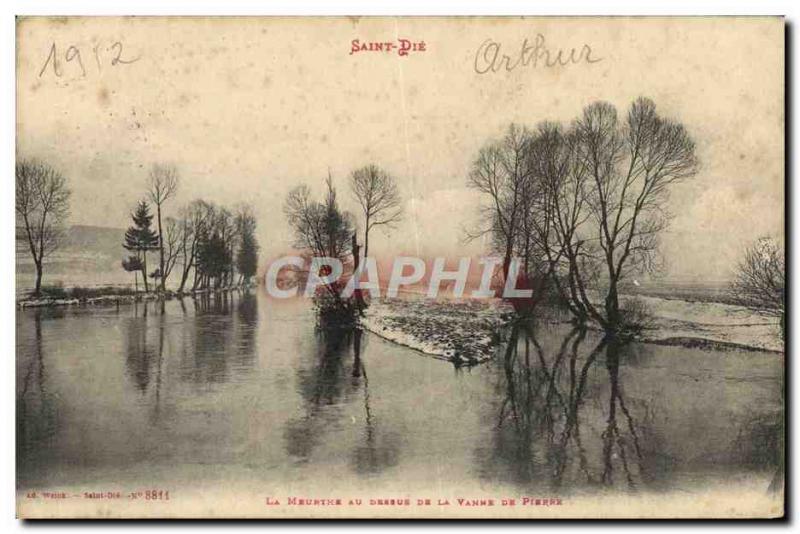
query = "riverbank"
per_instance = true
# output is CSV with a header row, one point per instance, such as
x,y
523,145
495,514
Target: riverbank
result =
x,y
713,325
468,331
80,296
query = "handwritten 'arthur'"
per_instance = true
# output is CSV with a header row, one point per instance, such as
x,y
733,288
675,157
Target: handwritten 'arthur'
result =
x,y
490,57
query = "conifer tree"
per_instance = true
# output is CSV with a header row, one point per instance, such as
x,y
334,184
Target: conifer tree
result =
x,y
247,253
247,256
140,238
133,265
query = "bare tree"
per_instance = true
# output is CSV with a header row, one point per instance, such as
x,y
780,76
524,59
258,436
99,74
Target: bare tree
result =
x,y
377,194
631,167
584,205
559,212
163,186
173,240
321,229
42,206
191,221
760,278
500,173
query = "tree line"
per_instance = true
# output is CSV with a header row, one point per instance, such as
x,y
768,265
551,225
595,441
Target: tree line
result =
x,y
582,205
203,245
211,243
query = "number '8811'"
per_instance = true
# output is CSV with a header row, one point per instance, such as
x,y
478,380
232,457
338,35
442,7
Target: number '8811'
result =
x,y
156,495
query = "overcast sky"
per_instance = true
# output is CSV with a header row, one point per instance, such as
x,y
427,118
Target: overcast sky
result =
x,y
249,108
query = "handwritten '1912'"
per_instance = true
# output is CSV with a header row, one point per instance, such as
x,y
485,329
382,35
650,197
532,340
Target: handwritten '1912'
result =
x,y
111,55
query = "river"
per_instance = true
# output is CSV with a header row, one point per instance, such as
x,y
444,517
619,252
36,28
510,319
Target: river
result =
x,y
240,394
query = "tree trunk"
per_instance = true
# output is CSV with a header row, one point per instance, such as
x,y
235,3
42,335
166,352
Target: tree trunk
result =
x,y
579,309
507,264
160,249
366,239
356,264
144,272
612,305
184,277
526,266
38,287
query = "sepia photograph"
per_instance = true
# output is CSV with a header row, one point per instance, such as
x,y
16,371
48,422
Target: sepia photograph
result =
x,y
400,267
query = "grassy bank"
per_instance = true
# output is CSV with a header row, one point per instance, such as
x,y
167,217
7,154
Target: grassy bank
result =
x,y
62,296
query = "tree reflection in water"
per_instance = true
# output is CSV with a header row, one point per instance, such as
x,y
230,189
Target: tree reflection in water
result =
x,y
329,391
144,351
562,410
36,409
373,455
212,336
218,342
247,326
627,447
541,432
138,353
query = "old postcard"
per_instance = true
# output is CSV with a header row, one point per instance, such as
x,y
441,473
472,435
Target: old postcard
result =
x,y
454,267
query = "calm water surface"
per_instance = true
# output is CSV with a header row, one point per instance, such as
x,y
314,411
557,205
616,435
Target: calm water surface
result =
x,y
241,390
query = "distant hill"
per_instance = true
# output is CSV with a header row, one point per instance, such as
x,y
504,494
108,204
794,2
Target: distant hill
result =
x,y
88,254
98,240
84,240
